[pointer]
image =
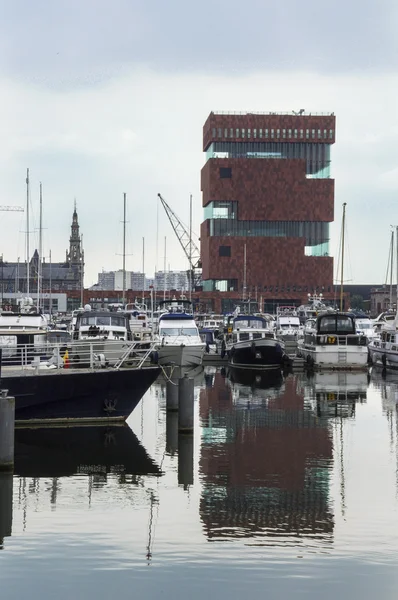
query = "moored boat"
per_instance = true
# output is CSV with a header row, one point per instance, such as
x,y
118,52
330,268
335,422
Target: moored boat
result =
x,y
178,339
250,344
332,342
383,350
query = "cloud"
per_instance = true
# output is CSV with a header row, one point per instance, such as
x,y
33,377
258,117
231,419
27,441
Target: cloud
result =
x,y
81,43
100,99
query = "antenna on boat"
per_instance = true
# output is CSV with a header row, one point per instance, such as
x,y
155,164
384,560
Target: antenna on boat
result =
x,y
27,232
342,257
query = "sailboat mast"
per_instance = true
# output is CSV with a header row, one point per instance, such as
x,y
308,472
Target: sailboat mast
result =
x,y
396,266
244,272
164,270
81,272
27,232
391,265
190,248
124,249
39,266
342,257
143,270
51,283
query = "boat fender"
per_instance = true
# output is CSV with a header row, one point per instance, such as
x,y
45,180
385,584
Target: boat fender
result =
x,y
207,348
253,348
384,360
223,349
154,357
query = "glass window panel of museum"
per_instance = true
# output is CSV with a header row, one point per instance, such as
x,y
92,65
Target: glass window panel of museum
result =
x,y
315,233
316,155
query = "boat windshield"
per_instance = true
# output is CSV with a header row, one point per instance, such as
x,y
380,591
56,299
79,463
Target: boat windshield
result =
x,y
103,321
364,325
250,324
179,331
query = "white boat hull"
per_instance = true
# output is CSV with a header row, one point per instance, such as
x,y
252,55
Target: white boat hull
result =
x,y
181,355
334,357
383,357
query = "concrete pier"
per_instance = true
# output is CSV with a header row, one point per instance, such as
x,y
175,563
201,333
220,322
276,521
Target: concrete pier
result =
x,y
172,395
185,459
7,425
185,404
6,482
171,432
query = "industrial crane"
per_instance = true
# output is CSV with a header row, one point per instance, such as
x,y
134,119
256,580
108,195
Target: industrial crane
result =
x,y
189,247
12,208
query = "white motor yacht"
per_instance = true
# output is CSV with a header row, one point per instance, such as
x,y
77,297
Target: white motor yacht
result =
x,y
24,328
178,339
332,342
383,349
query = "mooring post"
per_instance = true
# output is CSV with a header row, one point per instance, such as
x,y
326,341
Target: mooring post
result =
x,y
172,394
185,403
6,482
7,424
171,432
185,459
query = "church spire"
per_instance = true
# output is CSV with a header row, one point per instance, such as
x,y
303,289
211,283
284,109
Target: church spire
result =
x,y
75,254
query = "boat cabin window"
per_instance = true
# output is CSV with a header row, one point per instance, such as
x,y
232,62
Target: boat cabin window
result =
x,y
179,331
257,335
243,337
103,321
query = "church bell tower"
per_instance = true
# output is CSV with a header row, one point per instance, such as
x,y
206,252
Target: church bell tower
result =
x,y
74,256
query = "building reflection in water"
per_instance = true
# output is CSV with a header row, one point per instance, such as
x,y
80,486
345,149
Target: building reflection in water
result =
x,y
267,453
387,383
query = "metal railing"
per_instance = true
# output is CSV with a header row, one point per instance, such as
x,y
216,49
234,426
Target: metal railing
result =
x,y
92,355
291,113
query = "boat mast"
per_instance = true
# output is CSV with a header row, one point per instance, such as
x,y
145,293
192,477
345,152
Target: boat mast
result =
x,y
81,272
244,272
124,249
51,298
396,258
190,248
342,257
391,265
164,270
27,232
39,266
143,270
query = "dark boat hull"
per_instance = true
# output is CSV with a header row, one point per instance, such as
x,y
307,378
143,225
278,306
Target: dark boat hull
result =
x,y
103,395
63,451
254,379
257,354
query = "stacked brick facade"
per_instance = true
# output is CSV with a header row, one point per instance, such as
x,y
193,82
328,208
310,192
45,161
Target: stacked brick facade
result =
x,y
267,190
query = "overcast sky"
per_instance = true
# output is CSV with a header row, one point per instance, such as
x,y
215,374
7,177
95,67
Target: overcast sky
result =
x,y
100,98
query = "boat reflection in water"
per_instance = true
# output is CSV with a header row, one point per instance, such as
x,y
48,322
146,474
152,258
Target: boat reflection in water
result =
x,y
64,451
265,464
335,394
6,486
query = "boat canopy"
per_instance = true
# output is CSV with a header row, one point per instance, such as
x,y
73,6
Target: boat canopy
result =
x,y
337,323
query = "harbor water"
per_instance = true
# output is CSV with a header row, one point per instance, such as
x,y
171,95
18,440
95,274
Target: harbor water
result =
x,y
288,487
